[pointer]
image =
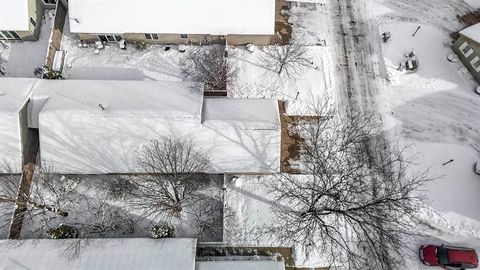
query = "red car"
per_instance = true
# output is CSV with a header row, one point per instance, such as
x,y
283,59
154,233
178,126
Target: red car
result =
x,y
449,257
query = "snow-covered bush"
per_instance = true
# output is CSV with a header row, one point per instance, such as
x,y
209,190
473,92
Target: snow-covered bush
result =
x,y
162,231
62,232
49,73
140,45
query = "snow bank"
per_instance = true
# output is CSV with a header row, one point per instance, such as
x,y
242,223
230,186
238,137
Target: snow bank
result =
x,y
14,15
14,94
99,254
215,17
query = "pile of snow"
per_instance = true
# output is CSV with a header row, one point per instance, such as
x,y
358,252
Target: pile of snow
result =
x,y
14,15
14,94
99,254
252,17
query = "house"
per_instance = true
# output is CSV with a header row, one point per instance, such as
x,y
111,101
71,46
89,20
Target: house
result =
x,y
239,265
99,254
174,22
98,127
117,254
21,19
14,95
467,47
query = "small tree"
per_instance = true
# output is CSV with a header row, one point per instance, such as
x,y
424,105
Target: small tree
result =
x,y
291,60
210,67
47,198
353,205
174,169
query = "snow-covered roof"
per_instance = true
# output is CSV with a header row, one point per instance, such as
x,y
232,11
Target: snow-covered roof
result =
x,y
14,15
216,17
472,32
77,136
239,265
14,93
99,254
250,114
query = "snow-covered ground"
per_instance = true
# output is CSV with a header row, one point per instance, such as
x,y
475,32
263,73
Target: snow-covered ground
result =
x,y
21,58
434,111
315,83
102,199
113,63
255,81
473,3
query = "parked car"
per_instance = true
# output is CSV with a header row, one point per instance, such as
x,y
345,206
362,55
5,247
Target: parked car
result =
x,y
448,257
476,167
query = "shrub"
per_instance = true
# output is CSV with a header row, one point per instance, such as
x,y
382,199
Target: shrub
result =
x,y
162,231
140,45
63,232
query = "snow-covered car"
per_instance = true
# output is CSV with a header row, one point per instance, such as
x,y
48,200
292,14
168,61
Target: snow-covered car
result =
x,y
448,257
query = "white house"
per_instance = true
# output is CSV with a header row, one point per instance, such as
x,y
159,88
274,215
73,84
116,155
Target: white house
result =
x,y
96,127
174,21
14,94
21,19
99,254
239,265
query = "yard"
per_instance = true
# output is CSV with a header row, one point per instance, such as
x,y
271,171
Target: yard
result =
x,y
101,207
20,59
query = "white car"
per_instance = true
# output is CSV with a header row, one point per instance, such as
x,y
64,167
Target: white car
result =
x,y
477,167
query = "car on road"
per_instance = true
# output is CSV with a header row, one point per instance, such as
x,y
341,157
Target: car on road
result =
x,y
449,257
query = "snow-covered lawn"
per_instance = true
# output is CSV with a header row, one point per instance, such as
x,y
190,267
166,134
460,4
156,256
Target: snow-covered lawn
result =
x,y
315,83
254,80
101,202
436,112
21,58
249,217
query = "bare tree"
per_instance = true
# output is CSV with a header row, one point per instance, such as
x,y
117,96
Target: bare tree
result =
x,y
104,220
174,170
46,198
357,210
291,60
210,67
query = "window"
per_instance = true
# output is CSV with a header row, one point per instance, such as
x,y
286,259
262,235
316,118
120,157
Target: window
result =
x,y
466,49
33,22
51,2
183,35
476,63
109,38
9,35
151,36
